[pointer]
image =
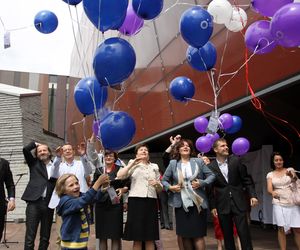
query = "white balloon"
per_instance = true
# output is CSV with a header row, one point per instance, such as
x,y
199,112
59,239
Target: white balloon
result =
x,y
238,20
296,1
221,10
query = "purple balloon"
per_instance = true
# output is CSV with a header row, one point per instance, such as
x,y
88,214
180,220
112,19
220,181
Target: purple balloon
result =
x,y
200,124
258,37
96,125
132,23
213,137
240,146
203,144
268,8
285,25
226,120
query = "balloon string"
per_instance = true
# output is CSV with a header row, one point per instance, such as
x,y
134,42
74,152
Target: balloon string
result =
x,y
195,100
257,103
76,43
83,126
222,57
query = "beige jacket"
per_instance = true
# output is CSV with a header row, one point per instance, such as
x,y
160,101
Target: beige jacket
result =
x,y
140,176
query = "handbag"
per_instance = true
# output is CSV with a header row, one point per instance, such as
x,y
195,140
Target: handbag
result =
x,y
295,187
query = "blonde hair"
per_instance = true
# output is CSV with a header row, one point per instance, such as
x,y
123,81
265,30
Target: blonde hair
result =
x,y
60,186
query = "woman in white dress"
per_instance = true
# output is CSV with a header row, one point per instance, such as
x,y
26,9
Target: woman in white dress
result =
x,y
286,215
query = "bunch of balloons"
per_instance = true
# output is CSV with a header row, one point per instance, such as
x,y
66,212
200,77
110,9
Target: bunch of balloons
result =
x,y
122,15
228,123
263,36
196,28
234,18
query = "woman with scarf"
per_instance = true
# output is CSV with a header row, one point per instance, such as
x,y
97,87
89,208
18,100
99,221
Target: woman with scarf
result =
x,y
186,178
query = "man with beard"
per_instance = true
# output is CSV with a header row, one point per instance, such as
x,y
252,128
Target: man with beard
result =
x,y
228,199
38,193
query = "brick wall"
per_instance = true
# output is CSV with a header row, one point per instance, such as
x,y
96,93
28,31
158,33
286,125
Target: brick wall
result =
x,y
20,123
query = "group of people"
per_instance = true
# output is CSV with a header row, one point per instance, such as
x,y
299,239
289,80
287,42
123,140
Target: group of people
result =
x,y
191,184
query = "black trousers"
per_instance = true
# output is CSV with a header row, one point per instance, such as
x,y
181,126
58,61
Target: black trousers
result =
x,y
37,212
2,216
166,212
241,223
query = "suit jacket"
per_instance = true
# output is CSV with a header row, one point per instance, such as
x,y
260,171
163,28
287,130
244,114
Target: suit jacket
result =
x,y
239,181
170,177
38,179
7,178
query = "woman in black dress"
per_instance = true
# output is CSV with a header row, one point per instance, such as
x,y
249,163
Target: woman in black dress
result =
x,y
109,210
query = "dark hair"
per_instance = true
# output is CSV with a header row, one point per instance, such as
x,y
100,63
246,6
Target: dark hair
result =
x,y
108,152
137,147
49,150
217,142
273,157
180,144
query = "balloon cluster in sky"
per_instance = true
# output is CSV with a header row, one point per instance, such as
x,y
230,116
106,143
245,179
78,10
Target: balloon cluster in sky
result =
x,y
230,124
114,61
281,28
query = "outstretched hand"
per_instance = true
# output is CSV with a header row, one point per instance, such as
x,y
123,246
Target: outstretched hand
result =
x,y
175,139
81,148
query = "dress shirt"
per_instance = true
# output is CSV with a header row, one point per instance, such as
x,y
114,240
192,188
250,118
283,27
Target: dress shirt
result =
x,y
50,171
223,166
186,169
81,169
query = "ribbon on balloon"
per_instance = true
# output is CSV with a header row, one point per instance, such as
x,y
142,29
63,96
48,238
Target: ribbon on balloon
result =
x,y
258,104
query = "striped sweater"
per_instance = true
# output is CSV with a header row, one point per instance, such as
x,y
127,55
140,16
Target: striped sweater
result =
x,y
75,220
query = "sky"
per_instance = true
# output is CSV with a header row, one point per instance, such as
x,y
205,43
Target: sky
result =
x,y
32,51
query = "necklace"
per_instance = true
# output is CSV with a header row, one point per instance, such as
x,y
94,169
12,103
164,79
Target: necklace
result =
x,y
111,169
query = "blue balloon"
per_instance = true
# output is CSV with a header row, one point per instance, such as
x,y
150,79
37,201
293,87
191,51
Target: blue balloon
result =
x,y
182,88
45,21
147,9
114,61
87,91
106,14
117,130
236,126
202,59
196,26
72,2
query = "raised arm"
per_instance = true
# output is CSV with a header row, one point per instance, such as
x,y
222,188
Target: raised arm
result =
x,y
29,158
54,173
91,152
124,172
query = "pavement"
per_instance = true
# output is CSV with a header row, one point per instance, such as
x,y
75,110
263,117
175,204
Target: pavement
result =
x,y
263,238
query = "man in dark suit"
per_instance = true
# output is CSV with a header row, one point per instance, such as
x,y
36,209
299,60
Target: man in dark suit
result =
x,y
38,193
6,204
227,197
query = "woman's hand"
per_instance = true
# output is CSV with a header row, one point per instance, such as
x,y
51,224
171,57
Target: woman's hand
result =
x,y
137,160
121,191
275,195
175,188
291,173
195,184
